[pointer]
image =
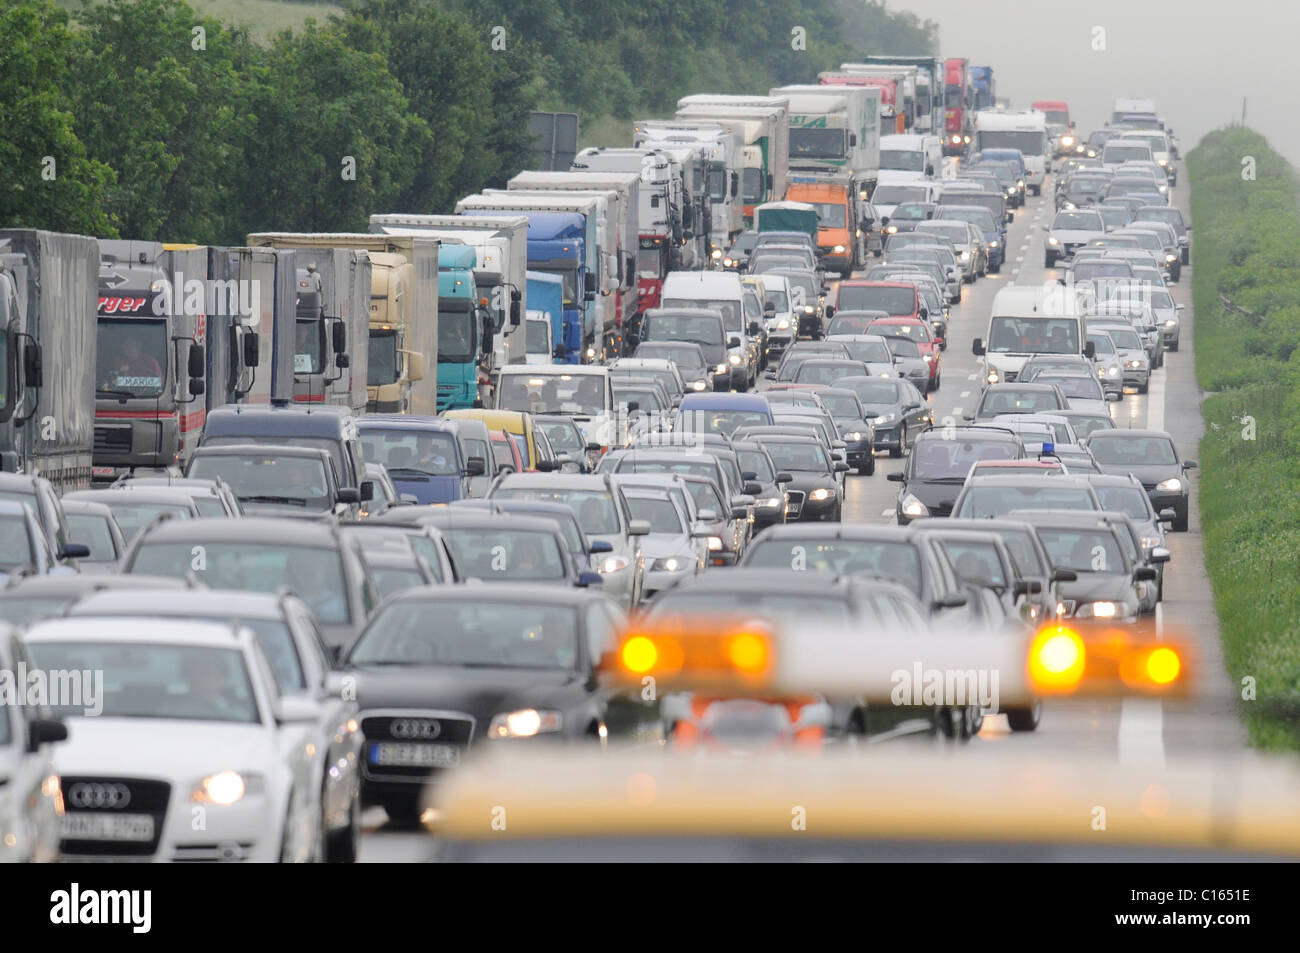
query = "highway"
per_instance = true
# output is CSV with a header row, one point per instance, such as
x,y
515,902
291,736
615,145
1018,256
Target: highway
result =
x,y
1133,731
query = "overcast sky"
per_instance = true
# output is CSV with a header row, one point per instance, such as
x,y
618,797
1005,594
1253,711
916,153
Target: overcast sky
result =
x,y
1196,58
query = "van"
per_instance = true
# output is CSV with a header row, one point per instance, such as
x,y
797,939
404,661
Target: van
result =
x,y
906,158
701,326
583,392
1030,320
725,293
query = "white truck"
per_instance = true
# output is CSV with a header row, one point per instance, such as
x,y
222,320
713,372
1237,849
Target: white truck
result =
x,y
835,129
501,249
1025,130
690,162
724,151
764,125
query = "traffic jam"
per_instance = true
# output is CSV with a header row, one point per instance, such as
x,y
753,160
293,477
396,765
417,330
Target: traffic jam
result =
x,y
801,458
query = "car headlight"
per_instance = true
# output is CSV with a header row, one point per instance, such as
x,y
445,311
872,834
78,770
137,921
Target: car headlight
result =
x,y
1020,183
821,494
783,325
734,359
993,243
716,254
993,376
965,256
914,507
891,229
1162,162
1097,610
927,358
613,564
1137,364
1150,542
671,564
1171,323
722,369
225,788
1171,258
855,436
1051,240
886,418
699,385
715,544
524,723
808,309
838,250
770,503
1067,140
728,262
1171,485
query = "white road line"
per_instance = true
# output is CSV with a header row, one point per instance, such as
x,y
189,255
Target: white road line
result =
x,y
970,377
964,393
888,512
1020,258
956,411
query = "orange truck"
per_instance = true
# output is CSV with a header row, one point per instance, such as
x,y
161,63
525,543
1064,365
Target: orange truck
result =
x,y
841,232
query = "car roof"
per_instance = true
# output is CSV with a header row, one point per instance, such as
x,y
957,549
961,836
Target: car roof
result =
x,y
555,481
850,531
724,401
180,601
1013,479
516,592
263,530
242,449
135,629
150,495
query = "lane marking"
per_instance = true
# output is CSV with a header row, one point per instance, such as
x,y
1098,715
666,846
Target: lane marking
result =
x,y
970,377
964,393
956,411
888,512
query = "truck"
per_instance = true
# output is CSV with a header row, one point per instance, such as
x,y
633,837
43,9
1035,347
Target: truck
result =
x,y
663,217
1024,129
983,88
690,162
904,78
1060,128
501,247
842,219
48,285
764,127
929,86
546,300
723,151
564,238
402,331
1136,110
893,117
835,129
956,106
786,216
151,371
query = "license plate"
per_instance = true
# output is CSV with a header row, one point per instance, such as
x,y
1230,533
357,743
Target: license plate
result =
x,y
79,825
102,471
416,756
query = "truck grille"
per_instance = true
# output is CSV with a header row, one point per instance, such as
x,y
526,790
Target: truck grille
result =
x,y
112,437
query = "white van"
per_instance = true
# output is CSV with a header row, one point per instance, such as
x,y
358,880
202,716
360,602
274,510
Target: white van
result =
x,y
581,391
724,292
1028,320
1025,130
538,340
907,158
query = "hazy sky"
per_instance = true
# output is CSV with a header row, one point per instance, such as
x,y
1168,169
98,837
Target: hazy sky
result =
x,y
1196,58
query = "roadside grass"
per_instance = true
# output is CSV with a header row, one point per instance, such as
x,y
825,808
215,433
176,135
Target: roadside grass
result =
x,y
1246,242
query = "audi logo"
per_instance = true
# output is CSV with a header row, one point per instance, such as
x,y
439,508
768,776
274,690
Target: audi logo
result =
x,y
99,795
415,728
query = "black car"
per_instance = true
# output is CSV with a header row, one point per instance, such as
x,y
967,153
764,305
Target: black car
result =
x,y
855,424
813,493
441,671
898,410
769,501
1150,455
939,463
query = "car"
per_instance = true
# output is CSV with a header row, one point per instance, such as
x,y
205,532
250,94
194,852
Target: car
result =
x,y
870,349
779,316
1059,427
848,323
1170,215
721,413
788,369
1152,457
1125,494
808,299
907,215
507,666
1130,351
1096,579
1076,458
292,642
1018,398
701,327
424,456
603,514
212,497
195,754
997,496
769,501
938,260
268,480
311,558
1084,422
37,494
93,524
939,463
855,426
992,229
897,410
1170,250
23,546
642,406
1109,363
1069,230
821,371
503,548
31,801
26,598
895,298
919,333
737,258
574,452
965,238
674,549
1043,465
1053,363
813,493
686,356
660,369
1082,390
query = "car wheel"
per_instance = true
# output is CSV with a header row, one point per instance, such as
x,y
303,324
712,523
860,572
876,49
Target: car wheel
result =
x,y
1025,719
870,466
938,379
344,846
1036,189
1187,256
1180,523
1172,346
996,269
1143,388
897,452
403,810
1049,260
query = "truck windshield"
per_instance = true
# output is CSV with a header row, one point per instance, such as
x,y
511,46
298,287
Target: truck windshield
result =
x,y
816,143
752,181
902,160
955,96
570,278
455,331
1057,117
132,357
381,364
537,338
1029,141
1035,335
830,215
309,347
717,182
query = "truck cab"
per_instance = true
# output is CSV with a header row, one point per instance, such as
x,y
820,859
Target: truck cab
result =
x,y
463,328
841,243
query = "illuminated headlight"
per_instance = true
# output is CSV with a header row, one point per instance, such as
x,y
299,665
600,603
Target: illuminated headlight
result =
x,y
524,723
1150,542
671,564
1172,484
1171,323
1012,190
1067,141
783,325
1092,154
716,254
993,376
728,262
1137,364
965,256
715,544
1051,240
699,385
770,503
1162,162
855,436
225,788
914,507
1171,258
1097,610
956,140
722,369
734,359
965,139
993,244
613,564
591,353
821,494
927,358
1020,183
838,250
1113,371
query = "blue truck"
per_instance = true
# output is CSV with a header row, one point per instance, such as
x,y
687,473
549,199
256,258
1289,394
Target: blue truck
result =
x,y
460,327
981,82
546,297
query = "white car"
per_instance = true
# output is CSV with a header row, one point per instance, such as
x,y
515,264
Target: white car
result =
x,y
31,803
195,754
1070,230
965,241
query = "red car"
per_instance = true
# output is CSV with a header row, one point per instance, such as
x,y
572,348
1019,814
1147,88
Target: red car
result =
x,y
898,299
916,330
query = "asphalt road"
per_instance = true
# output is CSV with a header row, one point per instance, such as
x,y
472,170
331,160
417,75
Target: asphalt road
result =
x,y
1136,731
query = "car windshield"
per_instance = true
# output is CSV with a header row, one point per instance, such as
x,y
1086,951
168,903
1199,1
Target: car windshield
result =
x,y
312,573
15,546
686,359
662,515
976,562
899,194
563,434
557,393
132,517
1134,451
910,211
891,300
805,457
979,217
890,557
265,478
1102,343
904,160
842,406
780,607
1083,550
335,447
872,390
1075,385
153,680
93,531
487,634
504,553
869,352
1114,153
646,399
703,330
595,509
902,347
956,234
1030,142
730,310
823,372
988,501
1082,221
132,357
918,332
1034,335
757,463
699,420
944,459
1129,500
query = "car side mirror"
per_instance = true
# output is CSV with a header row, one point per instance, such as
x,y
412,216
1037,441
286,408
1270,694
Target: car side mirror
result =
x,y
342,361
197,386
755,328
367,490
1167,516
338,338
977,347
769,309
44,731
75,551
752,488
841,467
349,495
33,365
733,342
1159,555
829,311
638,528
1090,350
599,546
195,364
475,466
1189,464
949,602
784,477
589,578
1065,575
1145,574
708,516
545,466
296,709
408,499
701,532
739,512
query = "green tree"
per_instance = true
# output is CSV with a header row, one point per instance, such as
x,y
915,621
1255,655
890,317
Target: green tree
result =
x,y
37,53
